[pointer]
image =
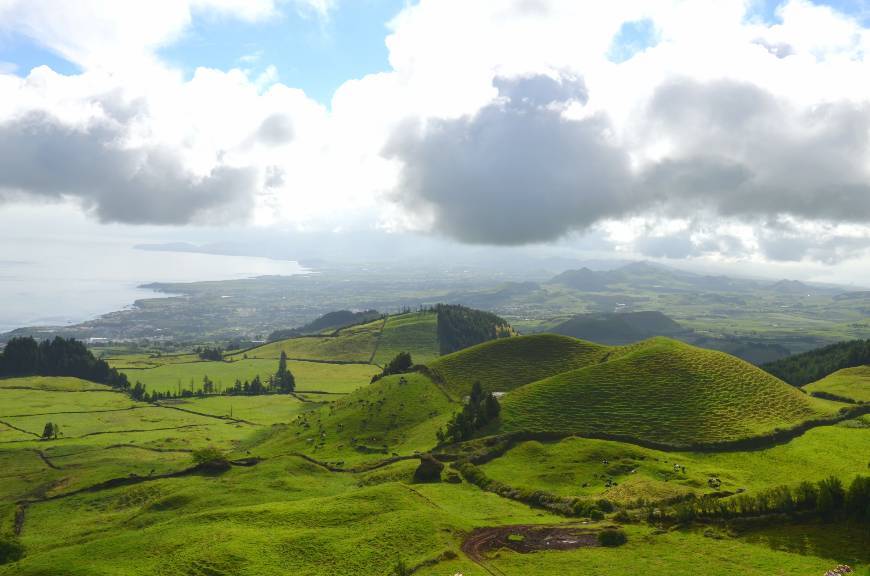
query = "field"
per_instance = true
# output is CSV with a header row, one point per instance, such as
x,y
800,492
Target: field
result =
x,y
353,344
415,333
576,466
852,383
322,483
311,376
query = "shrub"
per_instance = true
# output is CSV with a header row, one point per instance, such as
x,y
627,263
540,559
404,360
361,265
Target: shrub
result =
x,y
612,538
429,469
596,514
210,458
11,549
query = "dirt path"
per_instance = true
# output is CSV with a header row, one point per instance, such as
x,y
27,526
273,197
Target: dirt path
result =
x,y
525,538
377,344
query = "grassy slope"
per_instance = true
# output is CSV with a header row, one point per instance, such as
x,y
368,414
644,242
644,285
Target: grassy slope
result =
x,y
853,383
415,333
665,391
61,384
341,378
265,410
352,344
402,417
564,467
502,365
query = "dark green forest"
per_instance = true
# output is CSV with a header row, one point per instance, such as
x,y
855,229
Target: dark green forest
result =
x,y
57,357
460,327
810,366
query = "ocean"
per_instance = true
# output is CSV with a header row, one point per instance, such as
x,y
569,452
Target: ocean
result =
x,y
52,283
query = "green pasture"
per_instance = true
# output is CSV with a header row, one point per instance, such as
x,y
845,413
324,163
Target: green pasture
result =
x,y
265,409
352,344
416,332
313,376
852,383
589,468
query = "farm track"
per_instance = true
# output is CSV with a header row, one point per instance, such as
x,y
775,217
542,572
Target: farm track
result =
x,y
73,412
423,496
20,430
377,343
223,418
354,470
109,390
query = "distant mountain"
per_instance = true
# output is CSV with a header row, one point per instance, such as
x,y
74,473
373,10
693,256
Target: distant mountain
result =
x,y
619,328
791,287
660,278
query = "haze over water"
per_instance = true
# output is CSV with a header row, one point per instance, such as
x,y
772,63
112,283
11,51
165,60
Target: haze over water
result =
x,y
57,284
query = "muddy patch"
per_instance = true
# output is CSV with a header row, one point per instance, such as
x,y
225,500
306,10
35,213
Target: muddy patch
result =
x,y
528,538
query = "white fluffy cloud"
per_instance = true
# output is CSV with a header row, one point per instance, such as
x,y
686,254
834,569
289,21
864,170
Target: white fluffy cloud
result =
x,y
503,121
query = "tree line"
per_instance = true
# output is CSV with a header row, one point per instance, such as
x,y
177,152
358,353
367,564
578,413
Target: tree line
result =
x,y
807,367
24,356
281,382
828,498
460,327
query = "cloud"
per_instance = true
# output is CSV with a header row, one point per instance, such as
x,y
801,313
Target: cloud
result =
x,y
515,172
47,159
739,150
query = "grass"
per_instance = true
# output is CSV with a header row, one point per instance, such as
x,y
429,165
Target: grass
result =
x,y
52,383
265,410
676,553
416,332
852,383
17,402
576,466
316,376
664,391
352,344
396,414
287,514
506,364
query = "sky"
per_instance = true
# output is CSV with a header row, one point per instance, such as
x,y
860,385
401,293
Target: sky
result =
x,y
730,133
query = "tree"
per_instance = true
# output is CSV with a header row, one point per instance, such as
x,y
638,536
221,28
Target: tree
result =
x,y
256,386
207,385
138,391
831,495
284,379
49,431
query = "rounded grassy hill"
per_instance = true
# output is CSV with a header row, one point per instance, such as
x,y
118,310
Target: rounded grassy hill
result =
x,y
663,391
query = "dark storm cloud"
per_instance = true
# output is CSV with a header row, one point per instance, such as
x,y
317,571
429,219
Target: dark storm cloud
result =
x,y
40,157
520,171
517,172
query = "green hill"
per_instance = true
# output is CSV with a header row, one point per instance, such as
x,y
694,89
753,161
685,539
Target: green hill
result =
x,y
850,383
664,391
503,365
415,332
395,414
352,344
